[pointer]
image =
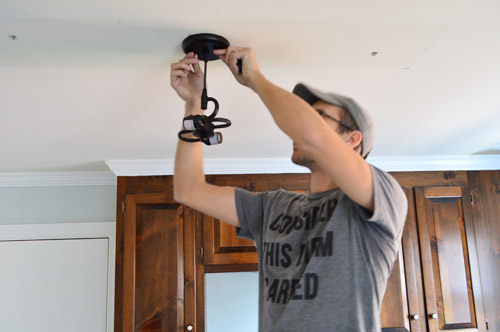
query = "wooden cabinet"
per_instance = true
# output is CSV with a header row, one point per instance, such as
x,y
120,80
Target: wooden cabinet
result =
x,y
152,259
164,249
452,285
154,285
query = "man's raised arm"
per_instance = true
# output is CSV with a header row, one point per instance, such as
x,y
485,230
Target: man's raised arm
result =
x,y
190,186
305,127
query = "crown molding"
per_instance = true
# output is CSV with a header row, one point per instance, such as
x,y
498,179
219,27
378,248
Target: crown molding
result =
x,y
51,179
437,163
210,166
149,167
284,165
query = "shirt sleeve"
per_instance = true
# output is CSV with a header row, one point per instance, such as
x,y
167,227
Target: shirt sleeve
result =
x,y
250,209
390,204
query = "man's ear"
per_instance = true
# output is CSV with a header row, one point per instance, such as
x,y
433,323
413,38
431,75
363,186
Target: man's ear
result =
x,y
354,138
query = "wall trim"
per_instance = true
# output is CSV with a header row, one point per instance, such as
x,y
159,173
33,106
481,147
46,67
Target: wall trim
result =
x,y
50,179
284,165
149,167
91,230
437,163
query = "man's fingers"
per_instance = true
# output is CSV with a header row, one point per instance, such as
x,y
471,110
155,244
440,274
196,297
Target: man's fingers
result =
x,y
226,54
189,61
190,55
231,55
228,50
196,66
235,54
220,52
180,65
178,73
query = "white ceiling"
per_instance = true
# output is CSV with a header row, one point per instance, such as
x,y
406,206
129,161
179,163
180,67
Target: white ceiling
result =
x,y
88,81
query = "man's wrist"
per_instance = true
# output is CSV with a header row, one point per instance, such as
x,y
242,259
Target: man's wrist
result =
x,y
193,107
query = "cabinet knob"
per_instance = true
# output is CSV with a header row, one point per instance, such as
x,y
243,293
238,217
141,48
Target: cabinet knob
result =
x,y
415,316
434,316
189,327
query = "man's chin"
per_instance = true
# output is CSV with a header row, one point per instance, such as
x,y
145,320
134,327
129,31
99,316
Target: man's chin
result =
x,y
301,161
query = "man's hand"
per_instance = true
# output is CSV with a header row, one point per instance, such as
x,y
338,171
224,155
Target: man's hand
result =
x,y
250,69
186,77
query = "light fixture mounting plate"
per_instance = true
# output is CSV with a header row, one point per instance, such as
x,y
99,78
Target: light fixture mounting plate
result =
x,y
204,45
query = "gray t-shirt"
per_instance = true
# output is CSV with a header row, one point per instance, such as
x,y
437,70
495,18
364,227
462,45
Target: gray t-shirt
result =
x,y
324,260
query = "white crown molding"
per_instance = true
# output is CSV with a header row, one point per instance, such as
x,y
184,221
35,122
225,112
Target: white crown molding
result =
x,y
437,163
211,166
44,179
284,165
148,167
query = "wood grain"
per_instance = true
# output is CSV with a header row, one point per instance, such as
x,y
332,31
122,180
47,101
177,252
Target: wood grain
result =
x,y
449,260
118,312
485,188
153,244
191,258
413,272
223,247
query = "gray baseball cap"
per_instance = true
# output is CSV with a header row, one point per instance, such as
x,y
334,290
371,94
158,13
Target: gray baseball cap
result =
x,y
360,116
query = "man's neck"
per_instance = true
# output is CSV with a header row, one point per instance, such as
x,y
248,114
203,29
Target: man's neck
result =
x,y
320,182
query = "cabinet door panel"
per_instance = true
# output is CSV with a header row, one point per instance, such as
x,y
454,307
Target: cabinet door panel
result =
x,y
485,188
229,242
448,259
153,292
394,312
403,307
223,247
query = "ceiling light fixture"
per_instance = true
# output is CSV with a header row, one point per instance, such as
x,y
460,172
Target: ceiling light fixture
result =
x,y
202,126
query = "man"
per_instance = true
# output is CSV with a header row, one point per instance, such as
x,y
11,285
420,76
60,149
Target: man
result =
x,y
325,256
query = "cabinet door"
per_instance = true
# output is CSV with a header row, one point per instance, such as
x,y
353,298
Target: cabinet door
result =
x,y
152,297
223,247
485,188
402,306
449,259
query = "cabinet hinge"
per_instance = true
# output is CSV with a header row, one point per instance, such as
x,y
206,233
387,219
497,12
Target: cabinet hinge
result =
x,y
472,199
123,207
202,252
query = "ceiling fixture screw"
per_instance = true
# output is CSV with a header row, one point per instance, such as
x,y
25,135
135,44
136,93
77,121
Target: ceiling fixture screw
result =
x,y
13,37
374,53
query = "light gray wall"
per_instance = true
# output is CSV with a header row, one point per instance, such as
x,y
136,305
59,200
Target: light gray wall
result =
x,y
57,204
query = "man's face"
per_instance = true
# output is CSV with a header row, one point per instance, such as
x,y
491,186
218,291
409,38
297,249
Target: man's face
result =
x,y
300,157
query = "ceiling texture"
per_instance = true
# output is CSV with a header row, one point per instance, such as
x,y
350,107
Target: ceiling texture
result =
x,y
85,81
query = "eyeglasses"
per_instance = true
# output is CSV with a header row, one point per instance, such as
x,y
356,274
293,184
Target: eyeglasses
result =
x,y
322,113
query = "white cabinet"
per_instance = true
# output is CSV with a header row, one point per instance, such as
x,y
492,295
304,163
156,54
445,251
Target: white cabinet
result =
x,y
56,277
